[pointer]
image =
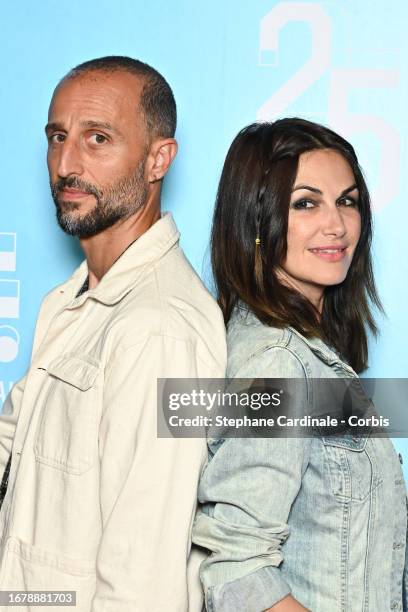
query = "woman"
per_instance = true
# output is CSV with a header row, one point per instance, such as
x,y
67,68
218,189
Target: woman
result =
x,y
313,523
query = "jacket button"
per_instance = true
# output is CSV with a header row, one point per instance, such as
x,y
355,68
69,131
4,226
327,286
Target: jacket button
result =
x,y
400,458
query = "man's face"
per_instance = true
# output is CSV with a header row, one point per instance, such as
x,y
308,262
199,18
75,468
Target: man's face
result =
x,y
97,148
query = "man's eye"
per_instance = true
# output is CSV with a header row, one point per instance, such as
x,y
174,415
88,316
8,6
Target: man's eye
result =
x,y
57,138
303,204
98,139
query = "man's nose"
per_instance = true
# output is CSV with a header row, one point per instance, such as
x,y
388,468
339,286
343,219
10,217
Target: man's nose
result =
x,y
333,224
70,160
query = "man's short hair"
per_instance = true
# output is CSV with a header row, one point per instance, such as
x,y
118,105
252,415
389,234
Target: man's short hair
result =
x,y
156,99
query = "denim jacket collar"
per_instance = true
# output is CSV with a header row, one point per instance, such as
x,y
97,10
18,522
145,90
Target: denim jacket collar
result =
x,y
327,354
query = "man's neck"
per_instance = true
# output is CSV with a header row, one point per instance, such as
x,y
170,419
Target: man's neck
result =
x,y
103,249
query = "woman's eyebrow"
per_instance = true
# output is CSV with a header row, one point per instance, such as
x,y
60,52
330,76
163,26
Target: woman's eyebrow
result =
x,y
346,191
314,189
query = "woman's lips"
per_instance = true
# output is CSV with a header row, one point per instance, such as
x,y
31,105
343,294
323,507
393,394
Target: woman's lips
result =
x,y
330,253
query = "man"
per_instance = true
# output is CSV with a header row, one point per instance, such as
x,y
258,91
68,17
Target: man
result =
x,y
96,503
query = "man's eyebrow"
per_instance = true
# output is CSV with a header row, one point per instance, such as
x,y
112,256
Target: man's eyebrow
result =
x,y
52,126
99,125
308,188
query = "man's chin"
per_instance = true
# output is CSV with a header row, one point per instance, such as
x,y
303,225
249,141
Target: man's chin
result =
x,y
73,225
65,206
88,225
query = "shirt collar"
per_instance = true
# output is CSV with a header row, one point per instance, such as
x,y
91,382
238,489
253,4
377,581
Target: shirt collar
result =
x,y
128,268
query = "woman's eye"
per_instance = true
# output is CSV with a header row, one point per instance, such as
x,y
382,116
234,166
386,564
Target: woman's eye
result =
x,y
348,201
303,204
98,138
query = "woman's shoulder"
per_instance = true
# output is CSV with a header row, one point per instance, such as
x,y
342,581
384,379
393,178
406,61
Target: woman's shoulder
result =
x,y
246,330
255,348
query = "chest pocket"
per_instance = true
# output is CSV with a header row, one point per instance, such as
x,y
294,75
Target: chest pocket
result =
x,y
351,467
66,437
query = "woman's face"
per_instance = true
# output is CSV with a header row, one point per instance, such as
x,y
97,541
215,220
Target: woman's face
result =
x,y
323,226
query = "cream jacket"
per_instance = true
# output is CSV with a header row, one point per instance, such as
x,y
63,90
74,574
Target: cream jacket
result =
x,y
96,502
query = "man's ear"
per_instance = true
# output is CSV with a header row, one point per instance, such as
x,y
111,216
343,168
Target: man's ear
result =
x,y
161,154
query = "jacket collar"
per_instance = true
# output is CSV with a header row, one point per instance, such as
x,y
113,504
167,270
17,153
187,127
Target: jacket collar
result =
x,y
125,273
327,354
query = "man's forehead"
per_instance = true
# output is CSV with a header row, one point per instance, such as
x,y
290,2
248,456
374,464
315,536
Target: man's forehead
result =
x,y
113,91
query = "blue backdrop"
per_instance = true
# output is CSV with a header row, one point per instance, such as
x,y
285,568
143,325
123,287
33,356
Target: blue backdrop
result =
x,y
229,62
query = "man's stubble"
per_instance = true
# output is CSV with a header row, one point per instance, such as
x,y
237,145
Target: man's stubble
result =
x,y
117,202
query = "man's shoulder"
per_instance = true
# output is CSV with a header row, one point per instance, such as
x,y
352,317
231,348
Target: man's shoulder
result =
x,y
180,286
171,300
172,297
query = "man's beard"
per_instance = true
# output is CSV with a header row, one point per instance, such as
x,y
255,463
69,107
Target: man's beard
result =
x,y
118,201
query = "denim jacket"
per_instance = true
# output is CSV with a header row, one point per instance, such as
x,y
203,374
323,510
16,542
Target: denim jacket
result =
x,y
322,518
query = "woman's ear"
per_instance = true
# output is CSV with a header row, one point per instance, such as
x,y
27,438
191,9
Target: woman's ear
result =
x,y
161,154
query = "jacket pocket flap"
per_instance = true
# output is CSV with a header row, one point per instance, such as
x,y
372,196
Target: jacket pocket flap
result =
x,y
75,371
348,441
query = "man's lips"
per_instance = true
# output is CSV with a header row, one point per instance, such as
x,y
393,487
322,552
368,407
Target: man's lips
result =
x,y
68,193
330,253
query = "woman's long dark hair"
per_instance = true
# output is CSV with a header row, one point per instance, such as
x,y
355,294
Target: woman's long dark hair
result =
x,y
253,201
